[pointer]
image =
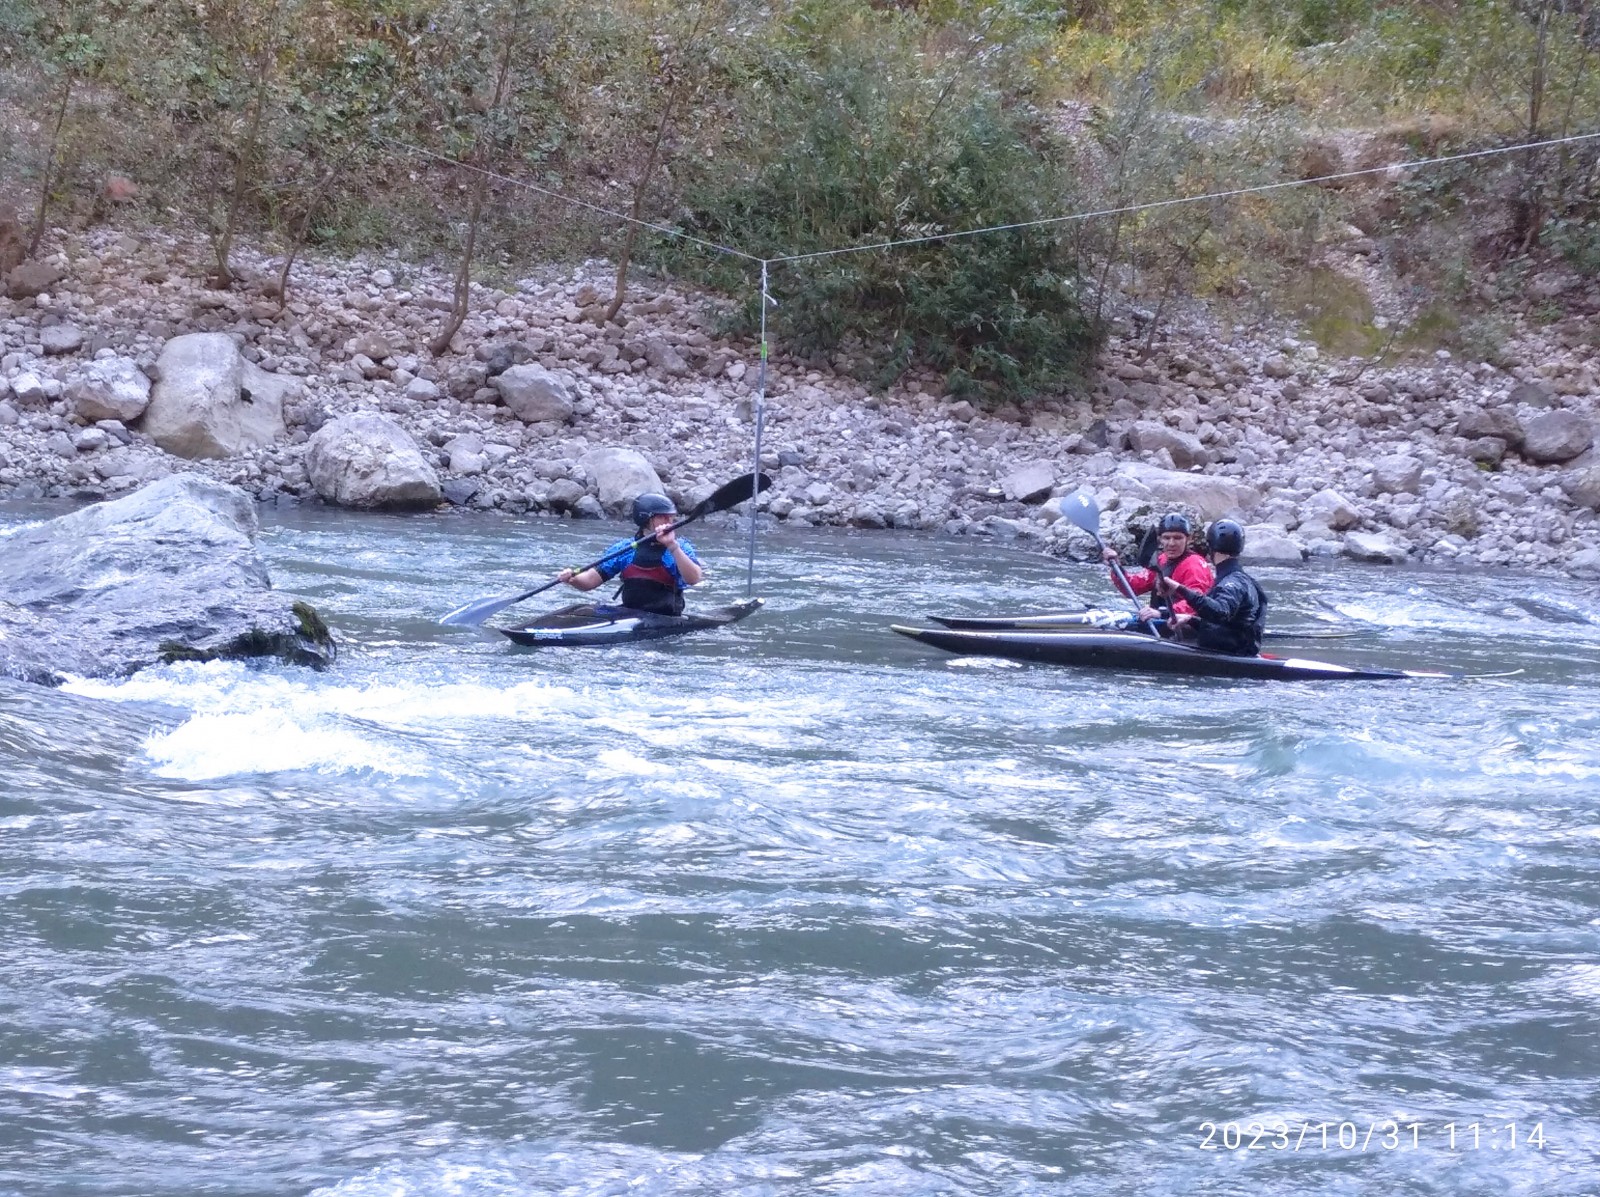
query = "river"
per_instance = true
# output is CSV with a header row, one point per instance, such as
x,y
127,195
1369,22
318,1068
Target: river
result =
x,y
800,907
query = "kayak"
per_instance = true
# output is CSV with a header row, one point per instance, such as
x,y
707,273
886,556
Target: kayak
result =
x,y
1068,621
589,624
1112,648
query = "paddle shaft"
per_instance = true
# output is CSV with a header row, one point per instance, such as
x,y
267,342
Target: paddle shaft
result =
x,y
599,561
724,497
1121,576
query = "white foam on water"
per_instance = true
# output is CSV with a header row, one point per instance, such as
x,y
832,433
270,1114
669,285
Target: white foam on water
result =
x,y
209,747
250,721
438,1178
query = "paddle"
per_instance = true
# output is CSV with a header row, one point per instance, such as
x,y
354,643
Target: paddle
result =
x,y
731,494
1084,512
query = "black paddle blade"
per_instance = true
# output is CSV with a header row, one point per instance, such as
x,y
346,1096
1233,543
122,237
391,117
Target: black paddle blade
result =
x,y
1149,545
731,494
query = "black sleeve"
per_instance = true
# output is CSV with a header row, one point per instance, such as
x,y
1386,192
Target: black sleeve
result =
x,y
1219,604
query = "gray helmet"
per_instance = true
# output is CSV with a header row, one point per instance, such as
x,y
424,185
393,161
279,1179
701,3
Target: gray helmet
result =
x,y
1174,522
649,505
1227,537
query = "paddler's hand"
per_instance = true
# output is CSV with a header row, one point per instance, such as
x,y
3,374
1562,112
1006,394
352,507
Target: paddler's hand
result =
x,y
1179,621
1147,614
668,536
566,576
1109,555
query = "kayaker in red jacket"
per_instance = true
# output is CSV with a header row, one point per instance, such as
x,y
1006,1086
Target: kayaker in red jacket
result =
x,y
1177,560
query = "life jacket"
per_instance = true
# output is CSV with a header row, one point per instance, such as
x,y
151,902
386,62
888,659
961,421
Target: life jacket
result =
x,y
1196,575
647,584
1233,614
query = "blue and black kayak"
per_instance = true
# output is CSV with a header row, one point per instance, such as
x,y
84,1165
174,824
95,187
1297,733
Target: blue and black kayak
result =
x,y
587,625
1090,647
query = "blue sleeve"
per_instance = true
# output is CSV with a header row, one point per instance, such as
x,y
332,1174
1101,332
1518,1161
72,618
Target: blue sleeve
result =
x,y
672,566
616,560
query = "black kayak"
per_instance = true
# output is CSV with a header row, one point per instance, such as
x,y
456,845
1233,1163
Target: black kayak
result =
x,y
1106,648
590,624
1071,621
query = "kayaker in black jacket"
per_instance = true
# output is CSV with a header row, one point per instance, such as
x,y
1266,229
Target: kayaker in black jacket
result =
x,y
1230,617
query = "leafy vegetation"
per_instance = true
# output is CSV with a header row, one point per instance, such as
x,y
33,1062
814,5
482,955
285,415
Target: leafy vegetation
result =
x,y
793,127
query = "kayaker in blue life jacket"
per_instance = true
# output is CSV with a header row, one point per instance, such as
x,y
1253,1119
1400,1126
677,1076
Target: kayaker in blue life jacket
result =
x,y
1231,616
655,573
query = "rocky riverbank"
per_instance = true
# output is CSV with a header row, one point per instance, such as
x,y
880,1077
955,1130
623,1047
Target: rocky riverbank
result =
x,y
538,408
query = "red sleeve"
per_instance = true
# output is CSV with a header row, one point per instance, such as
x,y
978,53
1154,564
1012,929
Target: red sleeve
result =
x,y
1139,579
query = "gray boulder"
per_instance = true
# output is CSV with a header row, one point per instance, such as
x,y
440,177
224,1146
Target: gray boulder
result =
x,y
111,389
1030,482
1556,436
208,401
1498,422
60,339
534,394
1269,544
1397,473
1487,450
1212,498
169,573
1532,394
620,476
367,460
1330,508
665,357
1582,486
30,390
1147,436
1374,547
30,278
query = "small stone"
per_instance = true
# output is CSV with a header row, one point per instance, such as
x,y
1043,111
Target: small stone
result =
x,y
60,339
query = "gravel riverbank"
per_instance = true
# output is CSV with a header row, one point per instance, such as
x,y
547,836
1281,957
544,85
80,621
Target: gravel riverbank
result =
x,y
1446,460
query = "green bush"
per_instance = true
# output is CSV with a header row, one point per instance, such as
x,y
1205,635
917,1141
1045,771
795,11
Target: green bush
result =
x,y
871,138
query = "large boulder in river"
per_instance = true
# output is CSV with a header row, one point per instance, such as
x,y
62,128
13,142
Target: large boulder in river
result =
x,y
168,573
367,460
1213,498
620,476
208,401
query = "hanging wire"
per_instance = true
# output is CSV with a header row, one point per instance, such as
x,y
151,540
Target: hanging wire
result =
x,y
1151,205
1124,210
664,230
1127,209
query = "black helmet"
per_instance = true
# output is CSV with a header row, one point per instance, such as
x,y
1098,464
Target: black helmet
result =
x,y
1227,537
649,505
1173,522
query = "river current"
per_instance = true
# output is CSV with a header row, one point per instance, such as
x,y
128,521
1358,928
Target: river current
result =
x,y
800,907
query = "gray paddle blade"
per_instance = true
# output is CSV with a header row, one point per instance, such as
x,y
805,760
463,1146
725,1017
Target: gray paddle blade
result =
x,y
474,613
1083,511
